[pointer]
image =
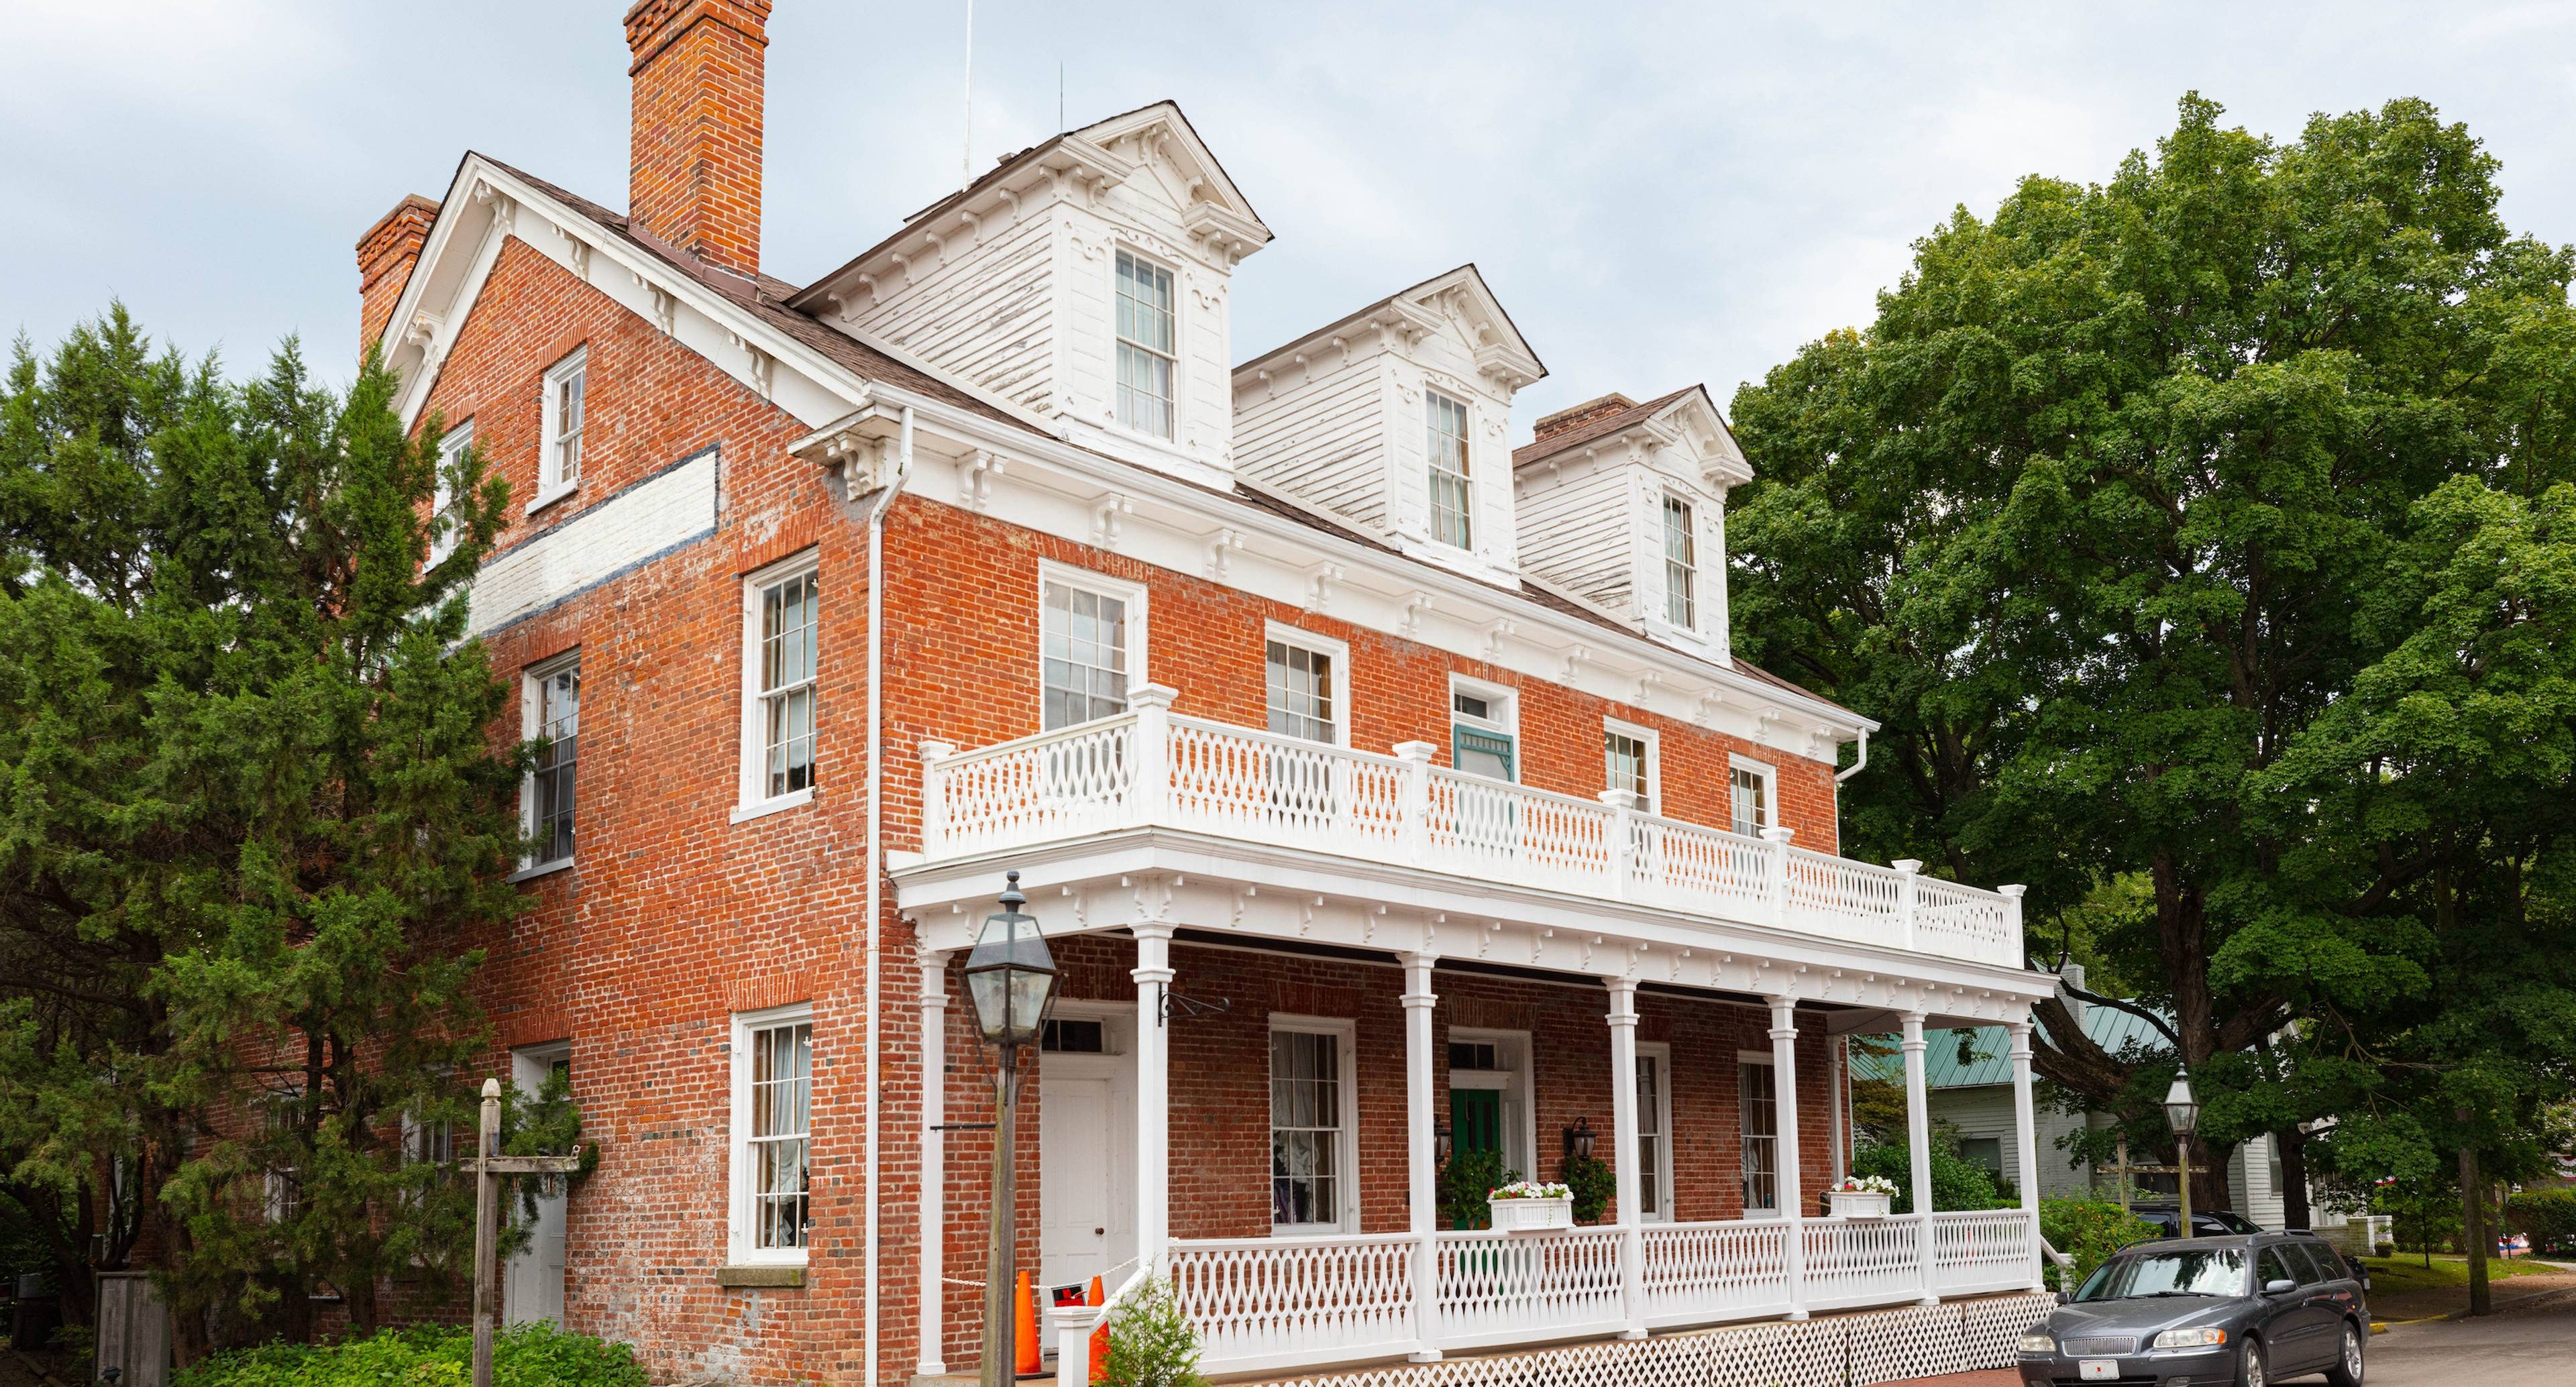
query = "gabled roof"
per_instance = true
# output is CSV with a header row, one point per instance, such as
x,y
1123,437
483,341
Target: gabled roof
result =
x,y
1464,285
1689,399
1990,1051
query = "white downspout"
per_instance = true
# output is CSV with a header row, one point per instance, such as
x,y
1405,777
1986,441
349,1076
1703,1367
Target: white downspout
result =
x,y
876,856
1857,766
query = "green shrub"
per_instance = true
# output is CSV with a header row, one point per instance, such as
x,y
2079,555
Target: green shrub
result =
x,y
526,1355
2547,1217
2088,1230
1957,1183
1465,1179
1593,1184
1150,1341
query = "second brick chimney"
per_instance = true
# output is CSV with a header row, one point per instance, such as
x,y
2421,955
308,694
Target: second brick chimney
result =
x,y
385,257
694,175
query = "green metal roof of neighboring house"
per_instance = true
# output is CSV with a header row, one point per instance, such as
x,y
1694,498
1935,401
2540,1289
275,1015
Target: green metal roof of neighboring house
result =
x,y
1989,1059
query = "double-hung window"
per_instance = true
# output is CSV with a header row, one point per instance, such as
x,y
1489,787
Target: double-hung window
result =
x,y
559,466
773,1105
1654,1131
1750,799
1761,1136
1482,730
782,622
1090,645
1147,346
1452,511
1310,1126
1681,566
551,713
1628,762
442,523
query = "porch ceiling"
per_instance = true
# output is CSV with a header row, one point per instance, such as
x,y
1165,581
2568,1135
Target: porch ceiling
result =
x,y
1228,888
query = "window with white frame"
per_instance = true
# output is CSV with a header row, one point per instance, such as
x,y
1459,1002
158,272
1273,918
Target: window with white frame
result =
x,y
782,626
773,1106
1654,1131
1148,346
1490,1095
442,523
1310,1126
1090,645
1757,1097
283,1185
1628,763
1452,512
550,712
1681,565
1304,676
559,466
1750,797
1484,730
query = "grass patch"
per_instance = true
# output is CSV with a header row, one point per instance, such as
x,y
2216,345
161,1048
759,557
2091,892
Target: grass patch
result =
x,y
2398,1275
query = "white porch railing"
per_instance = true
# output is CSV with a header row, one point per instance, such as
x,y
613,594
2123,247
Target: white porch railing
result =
x,y
1150,768
1281,1303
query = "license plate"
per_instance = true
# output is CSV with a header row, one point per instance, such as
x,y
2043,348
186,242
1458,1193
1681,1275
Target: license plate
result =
x,y
2098,1369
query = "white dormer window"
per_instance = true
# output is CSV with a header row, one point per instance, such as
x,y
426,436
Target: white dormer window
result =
x,y
1681,565
1451,520
1147,346
559,469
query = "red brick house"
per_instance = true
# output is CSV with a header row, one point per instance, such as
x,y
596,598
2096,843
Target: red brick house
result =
x,y
1382,789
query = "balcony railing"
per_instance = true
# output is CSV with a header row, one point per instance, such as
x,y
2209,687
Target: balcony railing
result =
x,y
1280,1303
1151,768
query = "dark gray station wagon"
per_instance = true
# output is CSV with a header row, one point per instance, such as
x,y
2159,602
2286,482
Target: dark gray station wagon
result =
x,y
2234,1311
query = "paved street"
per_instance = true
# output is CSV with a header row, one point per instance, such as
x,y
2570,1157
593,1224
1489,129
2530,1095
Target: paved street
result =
x,y
2527,1343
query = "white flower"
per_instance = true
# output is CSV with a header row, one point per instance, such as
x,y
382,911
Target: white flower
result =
x,y
1533,1189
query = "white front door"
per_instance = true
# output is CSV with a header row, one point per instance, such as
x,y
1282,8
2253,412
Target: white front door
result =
x,y
533,1286
1086,1144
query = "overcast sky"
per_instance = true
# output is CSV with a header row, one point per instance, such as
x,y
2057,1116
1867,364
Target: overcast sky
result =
x,y
1659,194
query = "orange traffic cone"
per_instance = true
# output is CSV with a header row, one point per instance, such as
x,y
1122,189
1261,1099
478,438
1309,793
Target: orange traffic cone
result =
x,y
1024,1328
1099,1338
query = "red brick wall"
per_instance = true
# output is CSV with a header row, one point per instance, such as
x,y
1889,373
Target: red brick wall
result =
x,y
695,172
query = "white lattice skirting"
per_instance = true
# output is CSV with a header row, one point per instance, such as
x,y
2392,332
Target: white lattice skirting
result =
x,y
1836,1351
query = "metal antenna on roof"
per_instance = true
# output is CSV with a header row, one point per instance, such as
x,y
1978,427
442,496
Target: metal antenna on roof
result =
x,y
966,158
1059,98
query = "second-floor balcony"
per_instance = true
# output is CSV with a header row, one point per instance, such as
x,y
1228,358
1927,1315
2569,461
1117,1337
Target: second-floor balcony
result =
x,y
1149,768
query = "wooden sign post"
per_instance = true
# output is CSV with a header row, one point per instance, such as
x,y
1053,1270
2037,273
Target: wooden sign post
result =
x,y
2121,1170
489,1165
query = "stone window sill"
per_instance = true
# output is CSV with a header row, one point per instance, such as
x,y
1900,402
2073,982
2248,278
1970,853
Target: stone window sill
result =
x,y
790,1278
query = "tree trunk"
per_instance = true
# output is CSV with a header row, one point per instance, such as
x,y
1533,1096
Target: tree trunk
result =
x,y
2473,1237
2292,1142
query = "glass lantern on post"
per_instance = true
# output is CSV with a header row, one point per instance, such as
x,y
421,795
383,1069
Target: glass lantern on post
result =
x,y
1011,980
2182,1113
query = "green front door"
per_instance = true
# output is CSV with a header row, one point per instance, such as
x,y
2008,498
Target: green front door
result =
x,y
1476,1125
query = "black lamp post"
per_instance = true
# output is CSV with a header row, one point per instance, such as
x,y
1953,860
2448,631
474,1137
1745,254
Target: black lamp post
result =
x,y
1578,1139
2182,1112
1011,979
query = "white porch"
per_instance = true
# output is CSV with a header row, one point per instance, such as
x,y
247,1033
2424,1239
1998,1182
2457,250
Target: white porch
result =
x,y
1151,825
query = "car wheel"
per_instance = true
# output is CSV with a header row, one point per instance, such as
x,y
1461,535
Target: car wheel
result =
x,y
2346,1371
2250,1371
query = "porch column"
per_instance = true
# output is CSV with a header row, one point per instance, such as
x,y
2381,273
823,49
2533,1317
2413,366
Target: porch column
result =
x,y
934,1162
1153,975
1918,1147
1422,1176
1623,1129
1784,1101
2027,1129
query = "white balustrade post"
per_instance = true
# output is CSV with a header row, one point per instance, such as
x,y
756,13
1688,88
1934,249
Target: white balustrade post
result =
x,y
1152,790
934,796
1909,876
1779,838
1417,799
1422,1178
1071,1326
2026,1128
2011,950
934,1162
1623,842
1784,1100
1153,975
1918,1147
1623,1127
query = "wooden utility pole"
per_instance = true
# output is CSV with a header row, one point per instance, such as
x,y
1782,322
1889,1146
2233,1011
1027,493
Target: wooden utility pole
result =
x,y
2122,1169
489,1165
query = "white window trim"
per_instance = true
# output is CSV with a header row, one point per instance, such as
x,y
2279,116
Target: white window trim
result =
x,y
1661,1053
1180,343
1503,696
752,772
1654,803
549,488
1770,789
738,1239
442,498
1339,652
1051,573
1346,1151
1475,546
532,711
1764,1058
1663,496
1520,1082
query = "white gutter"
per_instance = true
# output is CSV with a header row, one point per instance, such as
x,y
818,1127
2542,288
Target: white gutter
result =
x,y
876,851
1857,766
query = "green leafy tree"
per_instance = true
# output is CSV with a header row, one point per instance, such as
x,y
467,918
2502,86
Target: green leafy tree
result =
x,y
1150,1341
255,821
2149,519
1957,1183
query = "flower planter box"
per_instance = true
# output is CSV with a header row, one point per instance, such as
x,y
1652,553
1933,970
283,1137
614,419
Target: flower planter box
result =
x,y
1856,1203
1531,1215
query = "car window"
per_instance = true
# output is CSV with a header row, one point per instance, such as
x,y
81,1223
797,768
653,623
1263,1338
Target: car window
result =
x,y
2329,1261
2306,1265
2238,1223
2272,1268
2182,1271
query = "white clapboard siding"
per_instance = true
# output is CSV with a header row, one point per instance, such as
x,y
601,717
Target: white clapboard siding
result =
x,y
1322,439
983,311
1576,531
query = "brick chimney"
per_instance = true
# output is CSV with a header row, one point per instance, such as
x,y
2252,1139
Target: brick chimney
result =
x,y
694,176
385,257
1580,415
